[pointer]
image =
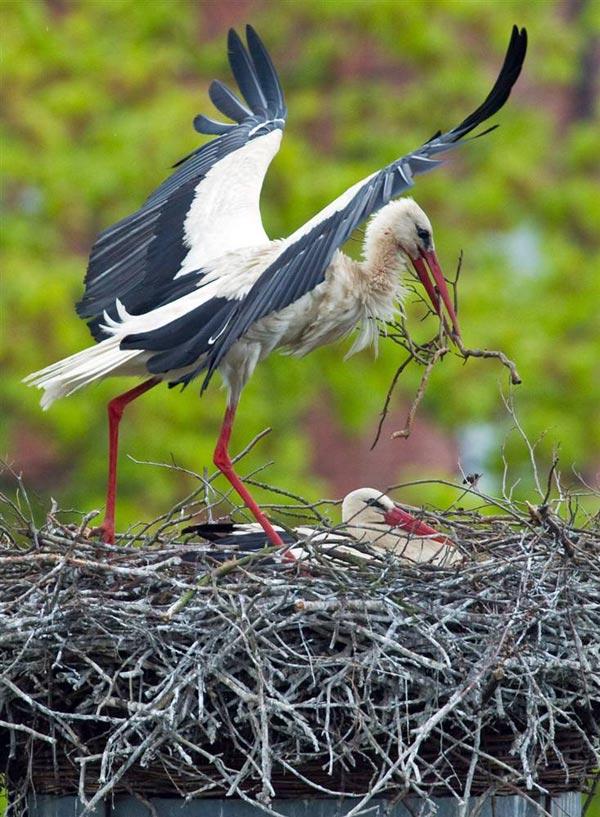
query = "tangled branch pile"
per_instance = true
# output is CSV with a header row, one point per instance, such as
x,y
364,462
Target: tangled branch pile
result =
x,y
273,679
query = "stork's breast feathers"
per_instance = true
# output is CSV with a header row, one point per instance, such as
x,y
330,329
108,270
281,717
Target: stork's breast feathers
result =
x,y
345,299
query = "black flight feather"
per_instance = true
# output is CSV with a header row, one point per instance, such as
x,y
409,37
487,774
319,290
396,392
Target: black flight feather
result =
x,y
210,127
211,531
244,71
226,101
266,73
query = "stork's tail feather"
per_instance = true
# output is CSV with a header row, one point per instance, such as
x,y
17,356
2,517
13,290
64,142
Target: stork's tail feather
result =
x,y
72,373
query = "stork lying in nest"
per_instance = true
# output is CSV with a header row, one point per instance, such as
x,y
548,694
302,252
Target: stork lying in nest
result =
x,y
369,517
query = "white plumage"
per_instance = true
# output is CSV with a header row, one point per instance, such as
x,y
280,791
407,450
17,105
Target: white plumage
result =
x,y
225,216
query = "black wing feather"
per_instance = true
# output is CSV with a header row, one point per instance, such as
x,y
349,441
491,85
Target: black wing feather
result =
x,y
226,101
203,124
245,74
182,342
267,75
509,73
229,540
211,531
137,258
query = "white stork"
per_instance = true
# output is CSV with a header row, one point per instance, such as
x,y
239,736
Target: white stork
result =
x,y
369,518
191,283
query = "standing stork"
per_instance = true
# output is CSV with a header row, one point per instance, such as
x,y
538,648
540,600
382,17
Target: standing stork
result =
x,y
191,283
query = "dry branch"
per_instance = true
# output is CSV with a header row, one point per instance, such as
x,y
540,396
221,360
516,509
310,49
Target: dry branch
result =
x,y
428,354
131,669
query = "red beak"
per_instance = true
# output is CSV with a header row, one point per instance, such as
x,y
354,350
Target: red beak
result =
x,y
428,265
397,518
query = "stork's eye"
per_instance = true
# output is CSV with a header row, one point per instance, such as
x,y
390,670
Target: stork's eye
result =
x,y
424,235
375,503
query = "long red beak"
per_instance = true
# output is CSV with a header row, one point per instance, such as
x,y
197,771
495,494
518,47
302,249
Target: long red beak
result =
x,y
426,266
397,518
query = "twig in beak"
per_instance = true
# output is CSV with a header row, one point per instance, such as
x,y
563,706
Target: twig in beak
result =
x,y
465,353
410,417
428,354
515,377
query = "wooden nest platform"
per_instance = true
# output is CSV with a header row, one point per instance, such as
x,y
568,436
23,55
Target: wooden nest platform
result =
x,y
129,670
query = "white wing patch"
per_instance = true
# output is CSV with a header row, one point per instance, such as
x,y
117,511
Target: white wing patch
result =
x,y
225,212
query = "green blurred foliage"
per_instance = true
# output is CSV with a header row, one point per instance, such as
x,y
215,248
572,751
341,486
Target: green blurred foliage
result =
x,y
98,103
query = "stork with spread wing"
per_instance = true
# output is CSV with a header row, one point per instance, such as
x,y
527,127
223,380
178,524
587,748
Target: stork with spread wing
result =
x,y
191,283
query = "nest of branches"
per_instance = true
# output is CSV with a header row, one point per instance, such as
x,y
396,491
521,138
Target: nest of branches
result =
x,y
128,669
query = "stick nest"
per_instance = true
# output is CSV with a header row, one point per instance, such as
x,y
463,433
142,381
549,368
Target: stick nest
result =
x,y
276,679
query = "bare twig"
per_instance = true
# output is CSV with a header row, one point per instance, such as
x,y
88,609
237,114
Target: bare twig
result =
x,y
515,377
427,355
405,432
388,397
168,670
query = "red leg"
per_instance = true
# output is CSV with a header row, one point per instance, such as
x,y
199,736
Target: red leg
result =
x,y
115,412
223,462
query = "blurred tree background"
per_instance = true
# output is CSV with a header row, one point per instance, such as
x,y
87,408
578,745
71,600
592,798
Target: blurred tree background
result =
x,y
98,102
98,99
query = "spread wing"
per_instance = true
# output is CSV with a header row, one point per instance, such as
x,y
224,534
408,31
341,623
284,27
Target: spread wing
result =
x,y
302,264
208,206
207,333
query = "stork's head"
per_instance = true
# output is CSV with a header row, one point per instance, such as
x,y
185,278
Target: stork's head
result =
x,y
405,224
374,518
366,507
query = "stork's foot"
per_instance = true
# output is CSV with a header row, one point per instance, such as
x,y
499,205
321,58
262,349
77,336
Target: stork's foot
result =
x,y
106,531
